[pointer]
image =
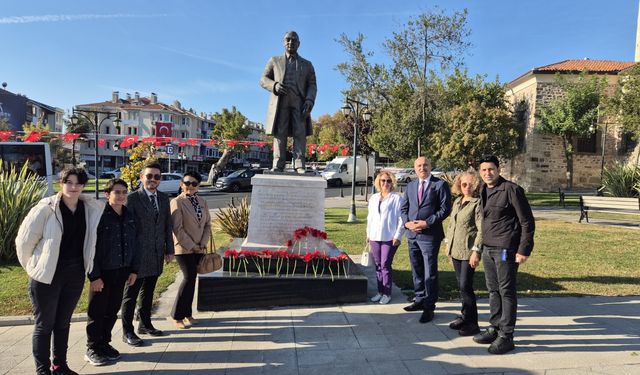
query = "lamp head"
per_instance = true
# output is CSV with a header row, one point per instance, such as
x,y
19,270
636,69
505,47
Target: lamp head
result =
x,y
346,109
366,115
74,120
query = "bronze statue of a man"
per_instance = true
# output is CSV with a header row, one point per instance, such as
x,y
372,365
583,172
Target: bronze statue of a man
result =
x,y
291,80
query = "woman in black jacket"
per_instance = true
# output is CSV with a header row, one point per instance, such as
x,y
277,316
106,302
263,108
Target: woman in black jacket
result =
x,y
116,263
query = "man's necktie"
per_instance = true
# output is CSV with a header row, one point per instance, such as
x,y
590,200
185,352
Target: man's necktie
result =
x,y
420,192
154,203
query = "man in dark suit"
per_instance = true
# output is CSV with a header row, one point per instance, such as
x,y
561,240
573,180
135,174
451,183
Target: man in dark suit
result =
x,y
150,208
291,80
426,203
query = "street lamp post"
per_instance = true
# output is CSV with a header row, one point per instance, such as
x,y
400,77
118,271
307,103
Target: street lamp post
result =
x,y
86,114
355,109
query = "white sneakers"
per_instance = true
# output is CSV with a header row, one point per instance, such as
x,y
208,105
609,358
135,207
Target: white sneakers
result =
x,y
381,298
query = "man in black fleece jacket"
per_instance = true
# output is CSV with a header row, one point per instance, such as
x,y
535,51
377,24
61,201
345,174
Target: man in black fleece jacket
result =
x,y
116,262
508,227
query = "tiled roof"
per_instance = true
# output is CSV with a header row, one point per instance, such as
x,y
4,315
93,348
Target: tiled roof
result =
x,y
143,104
595,66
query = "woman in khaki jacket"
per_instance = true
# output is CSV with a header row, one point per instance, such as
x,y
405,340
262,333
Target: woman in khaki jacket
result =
x,y
464,238
191,232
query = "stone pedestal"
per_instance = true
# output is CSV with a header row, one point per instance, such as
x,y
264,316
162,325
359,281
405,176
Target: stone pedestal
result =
x,y
280,204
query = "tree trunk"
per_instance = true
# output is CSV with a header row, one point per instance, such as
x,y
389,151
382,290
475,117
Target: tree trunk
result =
x,y
566,144
218,167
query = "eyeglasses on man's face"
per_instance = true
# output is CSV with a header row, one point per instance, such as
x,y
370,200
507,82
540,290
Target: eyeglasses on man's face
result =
x,y
191,183
153,176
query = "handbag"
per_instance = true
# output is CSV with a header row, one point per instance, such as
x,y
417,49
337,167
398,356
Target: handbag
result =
x,y
210,261
365,259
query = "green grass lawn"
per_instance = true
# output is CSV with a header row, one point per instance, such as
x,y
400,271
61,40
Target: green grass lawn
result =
x,y
14,280
568,259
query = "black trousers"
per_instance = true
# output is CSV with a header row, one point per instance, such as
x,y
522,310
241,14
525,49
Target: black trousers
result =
x,y
102,312
188,265
501,284
53,306
464,275
143,287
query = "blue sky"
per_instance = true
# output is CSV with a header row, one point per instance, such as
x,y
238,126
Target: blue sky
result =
x,y
210,54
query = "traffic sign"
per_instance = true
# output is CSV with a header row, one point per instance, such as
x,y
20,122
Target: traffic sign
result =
x,y
171,149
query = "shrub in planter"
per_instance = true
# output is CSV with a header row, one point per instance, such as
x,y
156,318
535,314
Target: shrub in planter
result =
x,y
621,180
234,220
19,192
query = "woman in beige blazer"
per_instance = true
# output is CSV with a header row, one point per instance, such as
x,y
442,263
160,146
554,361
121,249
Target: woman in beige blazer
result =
x,y
464,238
191,232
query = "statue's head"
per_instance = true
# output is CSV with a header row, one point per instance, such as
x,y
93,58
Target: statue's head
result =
x,y
291,42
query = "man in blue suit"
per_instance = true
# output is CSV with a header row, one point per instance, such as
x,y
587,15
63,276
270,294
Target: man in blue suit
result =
x,y
426,203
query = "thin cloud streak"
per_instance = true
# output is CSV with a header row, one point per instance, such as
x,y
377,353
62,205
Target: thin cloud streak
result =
x,y
229,64
70,17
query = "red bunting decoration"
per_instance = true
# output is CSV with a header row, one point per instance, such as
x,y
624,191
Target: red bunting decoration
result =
x,y
345,151
210,142
182,144
34,136
311,147
192,142
101,142
261,144
5,135
335,148
69,137
232,143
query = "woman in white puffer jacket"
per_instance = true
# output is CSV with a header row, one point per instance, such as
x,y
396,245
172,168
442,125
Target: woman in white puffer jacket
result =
x,y
56,244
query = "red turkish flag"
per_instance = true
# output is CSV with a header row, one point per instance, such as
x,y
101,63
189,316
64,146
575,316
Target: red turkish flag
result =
x,y
210,143
335,148
4,135
34,136
345,151
232,143
182,144
69,137
128,141
163,129
101,142
192,142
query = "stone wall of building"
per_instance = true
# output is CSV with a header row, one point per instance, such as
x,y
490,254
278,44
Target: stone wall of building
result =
x,y
542,164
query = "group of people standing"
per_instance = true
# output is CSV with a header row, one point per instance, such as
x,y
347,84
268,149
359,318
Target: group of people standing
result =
x,y
121,245
489,221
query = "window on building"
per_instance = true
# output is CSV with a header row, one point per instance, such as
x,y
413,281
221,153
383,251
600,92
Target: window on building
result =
x,y
153,131
628,143
588,144
134,115
107,130
132,130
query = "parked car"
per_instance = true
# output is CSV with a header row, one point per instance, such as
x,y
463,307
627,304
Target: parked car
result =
x,y
170,183
406,175
111,174
238,180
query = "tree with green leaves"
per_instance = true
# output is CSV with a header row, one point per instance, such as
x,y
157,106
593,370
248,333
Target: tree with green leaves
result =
x,y
574,114
230,125
426,45
625,103
478,121
139,155
330,130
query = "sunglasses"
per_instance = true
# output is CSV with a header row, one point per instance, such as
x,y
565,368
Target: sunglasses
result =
x,y
382,180
153,176
464,184
119,192
191,183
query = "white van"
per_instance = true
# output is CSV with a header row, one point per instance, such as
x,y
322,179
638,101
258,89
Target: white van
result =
x,y
37,154
339,171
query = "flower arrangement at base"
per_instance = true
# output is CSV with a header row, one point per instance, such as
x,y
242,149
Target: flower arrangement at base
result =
x,y
308,251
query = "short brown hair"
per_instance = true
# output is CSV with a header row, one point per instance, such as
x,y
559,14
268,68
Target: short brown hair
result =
x,y
80,173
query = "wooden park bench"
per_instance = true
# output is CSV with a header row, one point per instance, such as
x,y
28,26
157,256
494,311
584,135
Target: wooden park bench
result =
x,y
563,193
608,204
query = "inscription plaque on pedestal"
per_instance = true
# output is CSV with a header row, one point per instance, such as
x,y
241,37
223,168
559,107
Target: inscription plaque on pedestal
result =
x,y
281,204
